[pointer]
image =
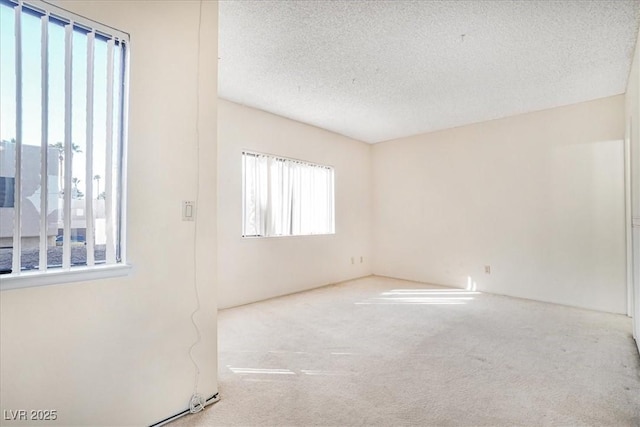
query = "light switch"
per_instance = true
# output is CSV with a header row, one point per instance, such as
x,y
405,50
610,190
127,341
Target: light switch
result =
x,y
188,210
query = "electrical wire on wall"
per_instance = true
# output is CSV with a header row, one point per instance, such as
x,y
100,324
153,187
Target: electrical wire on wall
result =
x,y
197,402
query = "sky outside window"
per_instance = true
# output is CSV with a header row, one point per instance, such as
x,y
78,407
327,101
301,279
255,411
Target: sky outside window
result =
x,y
32,92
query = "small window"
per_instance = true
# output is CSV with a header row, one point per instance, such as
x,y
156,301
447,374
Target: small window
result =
x,y
286,197
62,141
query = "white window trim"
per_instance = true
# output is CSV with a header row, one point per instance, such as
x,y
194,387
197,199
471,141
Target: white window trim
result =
x,y
29,279
285,236
54,276
291,236
65,15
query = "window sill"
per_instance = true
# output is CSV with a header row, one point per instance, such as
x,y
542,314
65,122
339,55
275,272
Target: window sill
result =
x,y
30,279
285,236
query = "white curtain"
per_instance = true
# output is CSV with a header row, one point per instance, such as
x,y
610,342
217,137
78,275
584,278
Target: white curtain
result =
x,y
284,197
255,187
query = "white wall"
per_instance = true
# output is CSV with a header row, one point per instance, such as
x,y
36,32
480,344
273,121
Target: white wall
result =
x,y
255,269
632,115
539,197
115,352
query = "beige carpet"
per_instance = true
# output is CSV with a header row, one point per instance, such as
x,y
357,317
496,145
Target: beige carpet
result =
x,y
386,352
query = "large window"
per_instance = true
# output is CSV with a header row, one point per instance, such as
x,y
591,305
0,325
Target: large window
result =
x,y
286,197
62,128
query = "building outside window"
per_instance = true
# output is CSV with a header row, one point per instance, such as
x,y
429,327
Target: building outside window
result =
x,y
62,141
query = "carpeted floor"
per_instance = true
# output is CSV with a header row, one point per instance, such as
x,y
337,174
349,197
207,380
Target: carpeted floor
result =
x,y
385,352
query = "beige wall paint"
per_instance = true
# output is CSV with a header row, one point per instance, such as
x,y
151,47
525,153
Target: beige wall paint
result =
x,y
115,352
539,197
255,269
632,115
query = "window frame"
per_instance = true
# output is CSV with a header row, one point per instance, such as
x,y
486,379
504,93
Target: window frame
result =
x,y
119,267
291,159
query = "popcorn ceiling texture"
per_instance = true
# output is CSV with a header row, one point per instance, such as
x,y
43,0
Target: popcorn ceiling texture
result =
x,y
380,70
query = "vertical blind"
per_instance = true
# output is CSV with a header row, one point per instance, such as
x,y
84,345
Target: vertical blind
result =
x,y
69,78
286,197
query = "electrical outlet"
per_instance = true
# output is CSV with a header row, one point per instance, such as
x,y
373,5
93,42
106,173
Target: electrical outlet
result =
x,y
353,260
188,210
487,269
361,259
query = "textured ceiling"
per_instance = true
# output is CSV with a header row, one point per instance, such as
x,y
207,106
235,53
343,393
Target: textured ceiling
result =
x,y
379,70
